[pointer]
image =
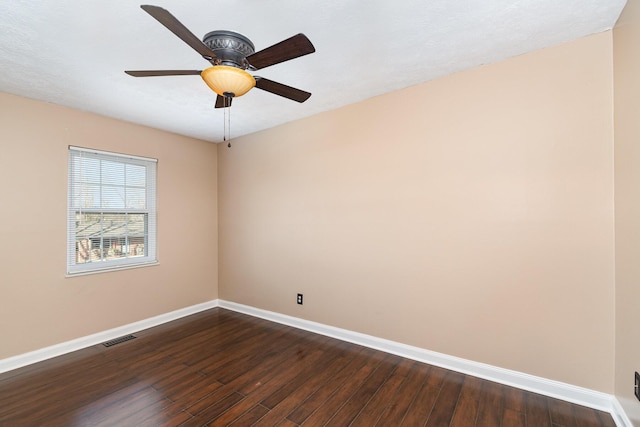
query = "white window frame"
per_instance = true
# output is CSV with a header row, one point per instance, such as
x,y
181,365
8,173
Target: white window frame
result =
x,y
75,207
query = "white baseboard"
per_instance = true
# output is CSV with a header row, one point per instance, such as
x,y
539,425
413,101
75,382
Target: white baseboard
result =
x,y
25,359
619,415
574,394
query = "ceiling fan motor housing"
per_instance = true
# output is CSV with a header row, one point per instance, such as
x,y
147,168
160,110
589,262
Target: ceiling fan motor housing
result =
x,y
231,48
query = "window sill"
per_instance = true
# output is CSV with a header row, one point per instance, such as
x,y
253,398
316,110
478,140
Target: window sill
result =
x,y
110,269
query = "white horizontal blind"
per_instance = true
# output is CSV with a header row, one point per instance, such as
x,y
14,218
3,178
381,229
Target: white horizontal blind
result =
x,y
111,216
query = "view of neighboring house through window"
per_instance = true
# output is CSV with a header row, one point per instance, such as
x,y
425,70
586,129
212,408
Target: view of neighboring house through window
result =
x,y
111,211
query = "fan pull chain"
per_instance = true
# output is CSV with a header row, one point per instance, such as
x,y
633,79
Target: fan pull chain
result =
x,y
229,123
227,120
224,120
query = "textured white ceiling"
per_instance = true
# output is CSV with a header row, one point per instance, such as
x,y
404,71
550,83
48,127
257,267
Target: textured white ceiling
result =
x,y
74,52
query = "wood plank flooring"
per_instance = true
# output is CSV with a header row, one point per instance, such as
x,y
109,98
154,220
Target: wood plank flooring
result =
x,y
219,368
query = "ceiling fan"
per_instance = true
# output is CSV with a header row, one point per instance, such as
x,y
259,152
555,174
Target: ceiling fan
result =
x,y
231,55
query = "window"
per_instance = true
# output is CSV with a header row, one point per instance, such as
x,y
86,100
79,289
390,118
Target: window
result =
x,y
111,213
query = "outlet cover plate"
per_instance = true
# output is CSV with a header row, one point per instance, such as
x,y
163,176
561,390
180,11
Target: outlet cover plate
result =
x,y
636,389
299,299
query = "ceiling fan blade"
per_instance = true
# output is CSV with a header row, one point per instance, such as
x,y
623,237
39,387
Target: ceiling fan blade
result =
x,y
293,47
171,22
223,101
153,73
282,90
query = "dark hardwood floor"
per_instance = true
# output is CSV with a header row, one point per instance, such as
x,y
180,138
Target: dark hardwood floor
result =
x,y
220,367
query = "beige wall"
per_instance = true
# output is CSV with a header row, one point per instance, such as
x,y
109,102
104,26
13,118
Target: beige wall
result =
x,y
626,39
38,305
471,215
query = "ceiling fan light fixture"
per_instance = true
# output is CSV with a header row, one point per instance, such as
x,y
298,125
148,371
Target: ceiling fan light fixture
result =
x,y
225,80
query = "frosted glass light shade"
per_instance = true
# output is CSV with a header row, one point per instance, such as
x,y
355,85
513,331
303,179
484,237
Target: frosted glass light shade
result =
x,y
225,80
